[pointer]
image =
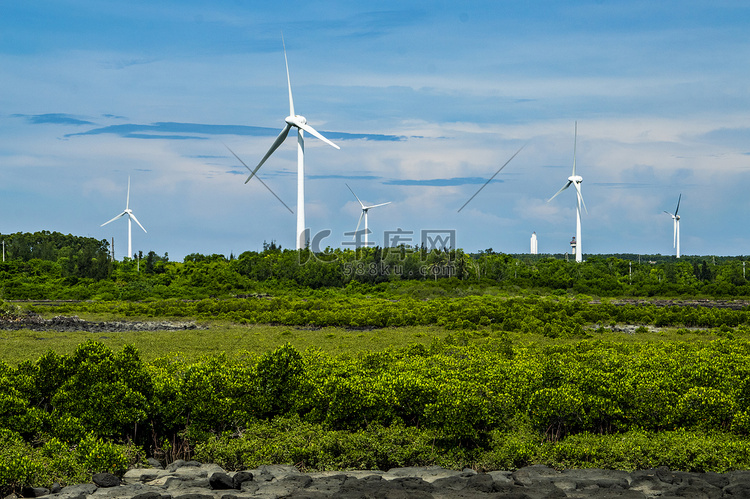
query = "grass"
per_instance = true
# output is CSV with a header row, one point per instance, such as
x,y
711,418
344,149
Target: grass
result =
x,y
18,346
222,336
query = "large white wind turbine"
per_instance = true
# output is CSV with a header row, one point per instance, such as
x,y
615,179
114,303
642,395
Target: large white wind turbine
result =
x,y
676,219
575,180
131,217
365,209
300,123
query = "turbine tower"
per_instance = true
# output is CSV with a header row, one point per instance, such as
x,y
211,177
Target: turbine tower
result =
x,y
676,219
365,209
575,180
300,123
131,217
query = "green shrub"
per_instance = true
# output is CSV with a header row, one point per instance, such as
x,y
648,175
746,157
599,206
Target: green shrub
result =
x,y
705,408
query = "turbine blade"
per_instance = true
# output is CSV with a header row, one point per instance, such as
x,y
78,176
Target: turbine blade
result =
x,y
678,205
259,180
360,201
665,211
118,216
274,195
288,80
490,180
558,192
127,199
358,222
580,197
314,132
276,143
139,223
575,143
376,205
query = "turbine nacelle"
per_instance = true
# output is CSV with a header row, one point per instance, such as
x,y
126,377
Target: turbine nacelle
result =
x,y
575,178
296,120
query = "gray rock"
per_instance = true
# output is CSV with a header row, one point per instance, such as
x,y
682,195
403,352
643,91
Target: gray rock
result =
x,y
537,473
249,487
193,493
192,480
241,477
183,464
327,483
124,491
454,483
79,491
266,473
155,463
221,481
150,494
480,482
106,480
740,489
34,491
143,474
501,477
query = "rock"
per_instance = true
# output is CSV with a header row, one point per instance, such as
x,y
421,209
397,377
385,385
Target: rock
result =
x,y
79,491
155,463
533,474
327,483
193,494
193,480
182,464
34,491
221,481
148,495
241,477
105,480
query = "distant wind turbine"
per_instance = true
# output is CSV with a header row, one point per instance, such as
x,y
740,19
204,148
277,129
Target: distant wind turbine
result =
x,y
131,217
300,123
575,180
676,219
365,209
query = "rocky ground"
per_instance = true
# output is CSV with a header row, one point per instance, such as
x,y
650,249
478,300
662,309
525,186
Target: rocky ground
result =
x,y
730,304
73,323
193,480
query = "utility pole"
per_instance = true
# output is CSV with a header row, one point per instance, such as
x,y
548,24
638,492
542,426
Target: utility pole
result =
x,y
113,249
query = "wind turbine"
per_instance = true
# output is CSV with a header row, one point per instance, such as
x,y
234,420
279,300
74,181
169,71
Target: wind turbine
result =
x,y
575,180
300,123
131,217
365,209
676,219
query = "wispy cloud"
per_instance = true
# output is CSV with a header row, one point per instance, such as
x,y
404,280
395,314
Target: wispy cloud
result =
x,y
442,182
343,177
53,118
182,131
623,185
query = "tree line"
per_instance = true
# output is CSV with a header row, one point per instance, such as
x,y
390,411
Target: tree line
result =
x,y
55,266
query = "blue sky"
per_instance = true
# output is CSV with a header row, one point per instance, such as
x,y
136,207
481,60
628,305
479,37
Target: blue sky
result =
x,y
427,100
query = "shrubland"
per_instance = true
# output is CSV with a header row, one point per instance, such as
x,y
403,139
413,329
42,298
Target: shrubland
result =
x,y
519,364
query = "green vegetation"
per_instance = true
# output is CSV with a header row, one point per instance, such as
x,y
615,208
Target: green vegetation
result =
x,y
459,360
47,265
468,400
